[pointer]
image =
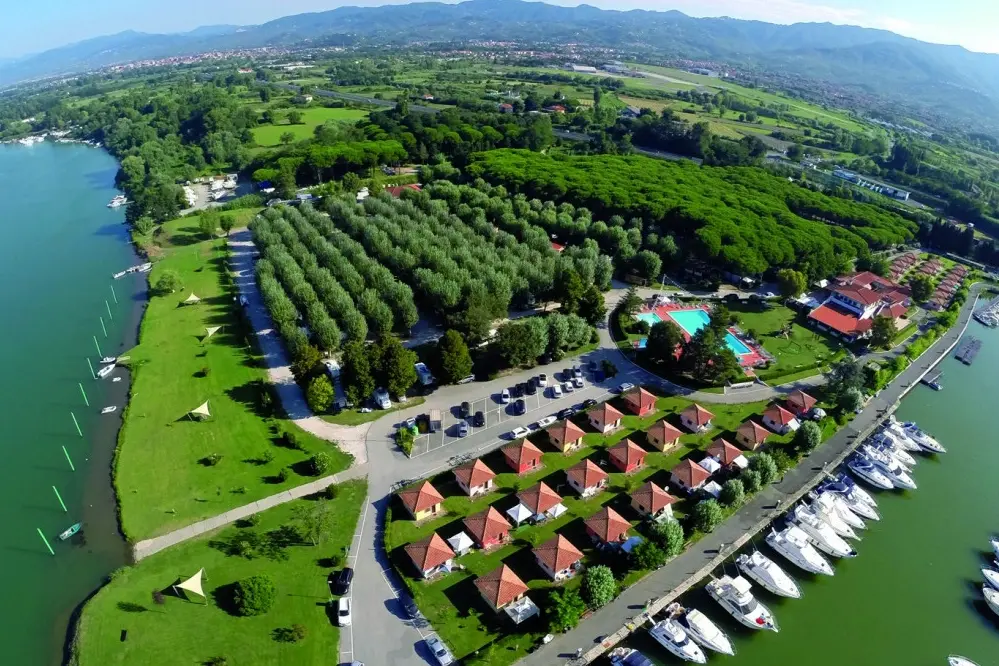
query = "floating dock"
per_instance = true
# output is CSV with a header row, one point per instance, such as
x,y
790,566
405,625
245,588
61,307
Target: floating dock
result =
x,y
933,382
968,350
140,268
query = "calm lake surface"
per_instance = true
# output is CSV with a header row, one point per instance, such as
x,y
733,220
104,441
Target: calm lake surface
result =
x,y
912,596
60,245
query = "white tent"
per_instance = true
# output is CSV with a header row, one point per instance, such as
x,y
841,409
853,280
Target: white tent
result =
x,y
201,411
519,513
460,543
212,330
557,510
193,584
191,299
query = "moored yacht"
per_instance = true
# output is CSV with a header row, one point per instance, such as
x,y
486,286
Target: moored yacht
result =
x,y
119,200
768,575
820,534
894,429
882,452
794,545
735,595
825,508
671,636
890,467
859,500
991,598
702,630
842,507
926,441
994,542
886,442
991,577
105,371
957,660
623,656
864,468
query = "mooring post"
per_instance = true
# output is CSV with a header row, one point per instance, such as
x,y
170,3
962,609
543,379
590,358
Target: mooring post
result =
x,y
72,467
84,394
45,541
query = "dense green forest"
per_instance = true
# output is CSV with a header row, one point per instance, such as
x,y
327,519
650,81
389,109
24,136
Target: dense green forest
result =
x,y
745,219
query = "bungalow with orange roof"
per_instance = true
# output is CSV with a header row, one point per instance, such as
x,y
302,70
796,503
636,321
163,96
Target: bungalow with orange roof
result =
x,y
800,403
558,558
431,556
586,478
607,526
500,587
539,502
640,402
663,435
653,502
696,419
627,456
751,435
475,478
566,436
689,476
421,502
727,455
522,456
487,528
780,420
604,418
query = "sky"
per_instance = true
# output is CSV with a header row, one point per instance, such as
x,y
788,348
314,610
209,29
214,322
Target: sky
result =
x,y
27,27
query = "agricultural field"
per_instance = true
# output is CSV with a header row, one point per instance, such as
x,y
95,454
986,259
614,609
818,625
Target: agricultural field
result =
x,y
312,117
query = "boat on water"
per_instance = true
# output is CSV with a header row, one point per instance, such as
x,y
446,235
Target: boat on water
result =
x,y
118,201
925,440
890,467
109,359
842,508
793,545
116,379
865,469
957,660
768,575
890,444
109,409
826,510
672,636
894,430
820,534
105,371
994,543
876,451
70,531
628,657
736,596
702,630
848,488
991,598
991,577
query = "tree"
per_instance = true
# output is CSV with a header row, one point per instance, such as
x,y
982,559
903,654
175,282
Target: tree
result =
x,y
287,138
850,400
647,265
396,367
751,480
664,339
227,222
668,534
521,342
320,394
454,359
255,595
355,373
883,332
791,282
808,437
168,282
304,361
794,152
648,555
294,117
208,224
631,301
144,225
591,305
732,493
765,466
599,586
879,266
568,290
843,376
921,287
326,333
707,515
316,520
564,610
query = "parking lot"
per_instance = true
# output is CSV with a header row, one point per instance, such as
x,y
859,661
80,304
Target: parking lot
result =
x,y
500,418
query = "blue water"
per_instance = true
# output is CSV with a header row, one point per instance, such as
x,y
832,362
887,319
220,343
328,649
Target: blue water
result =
x,y
692,321
736,345
650,318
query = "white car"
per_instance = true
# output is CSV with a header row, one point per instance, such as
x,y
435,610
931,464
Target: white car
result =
x,y
505,396
381,399
556,391
547,421
518,432
441,653
578,382
343,611
568,387
624,388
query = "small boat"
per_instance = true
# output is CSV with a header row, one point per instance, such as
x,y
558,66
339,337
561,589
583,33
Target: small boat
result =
x,y
116,379
119,200
671,636
109,359
70,531
991,598
827,513
865,469
105,371
768,575
703,631
842,509
109,409
890,444
820,534
735,595
623,656
890,467
991,577
955,660
927,442
994,543
794,545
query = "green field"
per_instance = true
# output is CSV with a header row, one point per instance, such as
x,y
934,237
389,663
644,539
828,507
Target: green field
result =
x,y
796,352
162,478
312,117
182,631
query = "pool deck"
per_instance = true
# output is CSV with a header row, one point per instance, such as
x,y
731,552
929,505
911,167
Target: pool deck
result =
x,y
664,313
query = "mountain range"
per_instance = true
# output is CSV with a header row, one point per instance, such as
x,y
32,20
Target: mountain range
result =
x,y
941,79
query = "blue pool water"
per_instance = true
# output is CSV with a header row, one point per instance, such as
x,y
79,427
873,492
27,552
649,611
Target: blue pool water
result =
x,y
650,318
692,321
736,345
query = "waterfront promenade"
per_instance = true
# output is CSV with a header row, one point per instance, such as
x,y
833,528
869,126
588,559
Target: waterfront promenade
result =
x,y
616,620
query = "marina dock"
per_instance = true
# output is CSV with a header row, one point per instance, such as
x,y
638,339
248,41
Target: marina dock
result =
x,y
933,382
967,350
140,268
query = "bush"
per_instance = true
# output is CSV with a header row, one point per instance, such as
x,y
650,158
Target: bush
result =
x,y
212,459
205,371
751,481
732,493
320,394
599,586
291,441
321,463
282,476
255,595
765,466
168,282
707,515
648,555
668,534
564,610
809,436
404,438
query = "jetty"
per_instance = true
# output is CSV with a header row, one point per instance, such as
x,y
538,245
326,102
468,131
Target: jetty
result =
x,y
933,382
139,268
968,349
989,315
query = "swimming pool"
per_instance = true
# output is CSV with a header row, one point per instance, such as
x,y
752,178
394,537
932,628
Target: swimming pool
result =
x,y
691,321
650,318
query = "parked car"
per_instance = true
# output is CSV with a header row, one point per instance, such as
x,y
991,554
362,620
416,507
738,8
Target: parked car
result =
x,y
343,611
381,398
505,396
566,413
557,391
463,429
519,407
479,420
542,379
531,388
568,387
466,410
577,371
441,652
567,374
589,402
577,382
411,608
518,432
517,391
547,421
466,380
592,366
340,582
625,387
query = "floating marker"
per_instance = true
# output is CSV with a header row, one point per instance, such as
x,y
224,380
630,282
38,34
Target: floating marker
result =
x,y
69,460
77,424
98,348
92,373
103,326
110,316
59,497
45,541
84,393
114,295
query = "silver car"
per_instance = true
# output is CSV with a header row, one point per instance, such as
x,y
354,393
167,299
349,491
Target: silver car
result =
x,y
441,651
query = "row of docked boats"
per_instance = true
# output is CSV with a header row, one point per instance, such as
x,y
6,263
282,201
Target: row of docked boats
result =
x,y
834,515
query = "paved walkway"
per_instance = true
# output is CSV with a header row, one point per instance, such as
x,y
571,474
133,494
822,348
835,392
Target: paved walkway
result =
x,y
350,438
147,547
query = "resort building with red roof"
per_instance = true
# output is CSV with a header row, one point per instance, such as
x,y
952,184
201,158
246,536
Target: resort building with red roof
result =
x,y
475,478
856,300
422,502
640,402
696,419
653,502
566,436
663,435
558,558
604,418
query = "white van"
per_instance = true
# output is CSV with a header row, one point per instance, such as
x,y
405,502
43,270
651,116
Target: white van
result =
x,y
381,398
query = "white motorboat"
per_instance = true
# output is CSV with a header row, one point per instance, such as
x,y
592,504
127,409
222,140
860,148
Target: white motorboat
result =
x,y
957,660
109,409
826,510
820,534
794,545
706,633
109,359
890,467
926,441
119,200
855,489
846,488
889,443
863,467
991,577
894,429
105,371
768,575
736,596
881,452
991,598
671,636
842,507
623,656
994,543
116,379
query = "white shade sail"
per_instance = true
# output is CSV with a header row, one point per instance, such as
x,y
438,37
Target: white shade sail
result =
x,y
460,542
201,410
193,584
192,299
519,513
212,330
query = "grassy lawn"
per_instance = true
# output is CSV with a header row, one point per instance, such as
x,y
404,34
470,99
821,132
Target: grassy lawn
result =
x,y
797,352
179,631
452,603
270,135
160,480
353,417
